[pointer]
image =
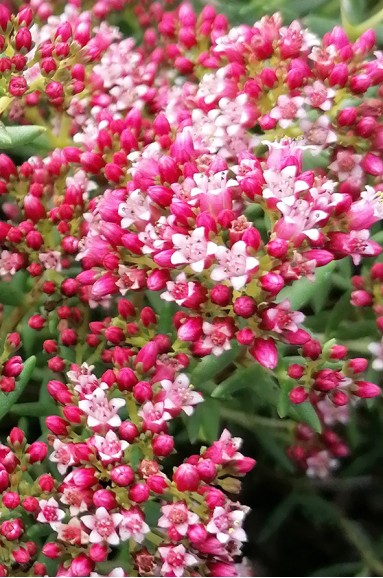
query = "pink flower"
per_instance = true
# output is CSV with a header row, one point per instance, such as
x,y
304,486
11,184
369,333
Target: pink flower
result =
x,y
103,526
288,109
154,416
110,448
193,249
135,208
283,184
318,132
130,278
180,395
227,525
176,559
280,318
51,260
178,516
178,291
50,512
235,264
62,455
100,410
133,525
320,465
72,532
319,96
84,381
347,166
217,337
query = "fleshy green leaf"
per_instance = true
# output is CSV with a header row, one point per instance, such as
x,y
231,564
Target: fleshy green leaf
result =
x,y
8,399
15,136
303,291
253,377
10,294
306,413
210,365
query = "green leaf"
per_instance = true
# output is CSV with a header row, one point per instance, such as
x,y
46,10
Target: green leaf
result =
x,y
8,399
19,135
210,365
210,420
4,136
304,291
306,413
284,403
10,294
277,517
253,377
274,448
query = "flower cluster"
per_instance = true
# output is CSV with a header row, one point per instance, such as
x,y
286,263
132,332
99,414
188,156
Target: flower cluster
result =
x,y
185,175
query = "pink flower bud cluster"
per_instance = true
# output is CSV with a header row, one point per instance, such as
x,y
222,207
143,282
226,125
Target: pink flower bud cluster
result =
x,y
182,172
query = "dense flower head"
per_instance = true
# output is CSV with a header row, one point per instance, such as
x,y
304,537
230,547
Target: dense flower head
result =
x,y
156,160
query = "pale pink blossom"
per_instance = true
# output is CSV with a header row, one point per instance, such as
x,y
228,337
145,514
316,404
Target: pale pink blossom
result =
x,y
193,249
176,559
283,184
103,526
133,525
288,110
72,532
50,512
100,410
180,395
135,208
217,337
227,525
51,260
154,416
179,290
178,516
319,96
320,465
234,264
110,448
347,166
62,455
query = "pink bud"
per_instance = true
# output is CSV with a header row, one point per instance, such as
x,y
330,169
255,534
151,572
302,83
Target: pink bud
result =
x,y
126,379
37,452
312,349
277,248
197,533
245,306
186,478
245,336
163,445
98,552
105,285
157,483
298,395
57,425
361,298
142,391
21,556
139,493
122,475
147,356
104,499
13,367
191,330
81,566
207,470
221,295
82,478
372,164
51,550
46,482
157,279
11,500
128,431
73,414
265,352
222,569
365,389
272,282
